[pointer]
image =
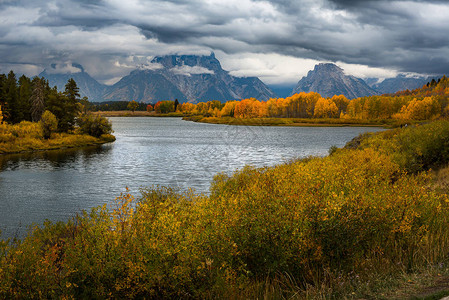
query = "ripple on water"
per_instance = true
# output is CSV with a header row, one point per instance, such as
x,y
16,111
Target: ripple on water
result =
x,y
148,151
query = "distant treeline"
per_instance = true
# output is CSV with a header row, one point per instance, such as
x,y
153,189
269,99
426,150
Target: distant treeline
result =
x,y
115,106
429,102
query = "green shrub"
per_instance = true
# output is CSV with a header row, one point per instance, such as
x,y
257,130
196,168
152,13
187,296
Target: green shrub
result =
x,y
94,125
415,148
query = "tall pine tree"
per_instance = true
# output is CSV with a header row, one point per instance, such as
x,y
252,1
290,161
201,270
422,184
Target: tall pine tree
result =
x,y
37,99
10,94
23,100
71,107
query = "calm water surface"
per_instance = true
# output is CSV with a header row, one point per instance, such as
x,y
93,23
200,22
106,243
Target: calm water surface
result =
x,y
165,151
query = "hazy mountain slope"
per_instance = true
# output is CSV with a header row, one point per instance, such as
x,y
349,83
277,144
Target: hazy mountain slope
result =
x,y
87,85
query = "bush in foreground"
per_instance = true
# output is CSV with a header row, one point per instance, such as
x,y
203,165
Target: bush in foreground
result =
x,y
354,212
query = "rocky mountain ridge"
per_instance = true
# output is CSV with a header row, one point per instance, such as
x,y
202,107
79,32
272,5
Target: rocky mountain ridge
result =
x,y
193,78
188,78
328,80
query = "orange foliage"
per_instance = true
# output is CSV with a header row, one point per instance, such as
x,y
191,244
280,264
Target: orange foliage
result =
x,y
325,108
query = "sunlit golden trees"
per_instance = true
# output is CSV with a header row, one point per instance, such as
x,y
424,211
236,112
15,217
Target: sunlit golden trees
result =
x,y
300,105
425,109
186,107
250,108
341,102
228,109
428,102
325,108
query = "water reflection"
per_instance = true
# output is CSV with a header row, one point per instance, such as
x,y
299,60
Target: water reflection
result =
x,y
52,159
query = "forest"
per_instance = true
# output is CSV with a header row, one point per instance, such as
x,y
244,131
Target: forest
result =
x,y
426,103
34,116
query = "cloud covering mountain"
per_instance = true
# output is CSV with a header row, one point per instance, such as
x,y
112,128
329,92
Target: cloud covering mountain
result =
x,y
273,40
188,78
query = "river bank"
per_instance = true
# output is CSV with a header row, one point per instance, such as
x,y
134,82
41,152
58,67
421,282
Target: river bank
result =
x,y
59,141
28,137
300,122
127,113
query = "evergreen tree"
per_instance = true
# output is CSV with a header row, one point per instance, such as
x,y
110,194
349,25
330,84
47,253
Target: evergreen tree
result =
x,y
2,94
10,94
56,104
71,109
37,99
23,100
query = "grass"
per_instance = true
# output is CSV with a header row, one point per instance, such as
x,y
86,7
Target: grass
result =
x,y
304,122
127,113
27,137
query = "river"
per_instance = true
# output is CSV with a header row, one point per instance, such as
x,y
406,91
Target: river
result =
x,y
55,185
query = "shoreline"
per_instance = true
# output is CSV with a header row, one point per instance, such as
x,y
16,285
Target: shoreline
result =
x,y
288,122
58,144
295,122
127,113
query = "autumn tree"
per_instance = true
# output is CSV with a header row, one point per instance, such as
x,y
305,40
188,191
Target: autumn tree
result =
x,y
186,107
48,123
325,108
341,102
228,109
133,105
163,107
247,108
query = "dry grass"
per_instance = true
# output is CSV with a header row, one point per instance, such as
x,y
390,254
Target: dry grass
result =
x,y
127,113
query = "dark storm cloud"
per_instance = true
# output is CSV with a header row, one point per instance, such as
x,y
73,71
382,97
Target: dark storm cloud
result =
x,y
408,36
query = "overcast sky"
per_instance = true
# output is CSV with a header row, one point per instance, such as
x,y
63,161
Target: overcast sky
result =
x,y
278,41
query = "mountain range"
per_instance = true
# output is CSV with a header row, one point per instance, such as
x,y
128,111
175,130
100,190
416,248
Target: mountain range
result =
x,y
400,83
188,78
193,78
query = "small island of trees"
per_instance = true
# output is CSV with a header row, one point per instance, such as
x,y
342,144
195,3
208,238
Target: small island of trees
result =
x,y
34,116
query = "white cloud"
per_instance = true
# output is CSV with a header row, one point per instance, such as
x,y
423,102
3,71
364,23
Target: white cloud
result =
x,y
271,68
363,71
188,70
29,70
66,67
